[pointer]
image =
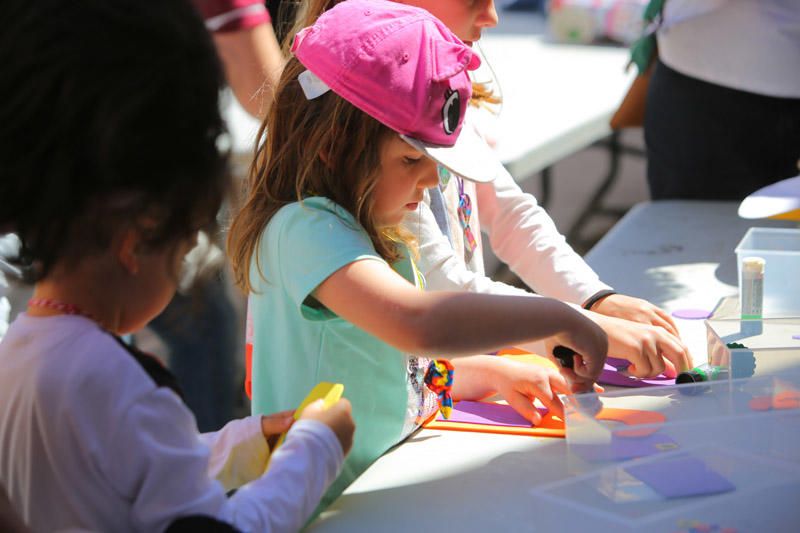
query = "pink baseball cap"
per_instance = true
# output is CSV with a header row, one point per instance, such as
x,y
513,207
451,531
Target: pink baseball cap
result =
x,y
403,67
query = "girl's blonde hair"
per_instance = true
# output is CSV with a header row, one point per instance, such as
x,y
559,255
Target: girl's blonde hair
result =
x,y
321,147
309,11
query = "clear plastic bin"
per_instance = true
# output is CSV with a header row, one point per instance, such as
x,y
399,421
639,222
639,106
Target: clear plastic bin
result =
x,y
754,415
722,454
780,248
705,488
770,346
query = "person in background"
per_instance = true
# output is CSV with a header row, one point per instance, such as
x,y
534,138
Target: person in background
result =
x,y
722,117
109,165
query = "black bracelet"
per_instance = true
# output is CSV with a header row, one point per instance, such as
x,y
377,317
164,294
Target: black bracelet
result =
x,y
597,297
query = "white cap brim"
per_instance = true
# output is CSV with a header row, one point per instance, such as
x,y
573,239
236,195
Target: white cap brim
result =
x,y
471,158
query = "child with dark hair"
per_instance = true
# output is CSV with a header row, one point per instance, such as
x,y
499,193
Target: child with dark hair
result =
x,y
109,166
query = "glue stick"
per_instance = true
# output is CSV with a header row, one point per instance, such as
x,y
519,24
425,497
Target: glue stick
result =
x,y
752,295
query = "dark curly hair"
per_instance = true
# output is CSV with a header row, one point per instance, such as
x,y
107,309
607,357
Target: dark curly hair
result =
x,y
108,116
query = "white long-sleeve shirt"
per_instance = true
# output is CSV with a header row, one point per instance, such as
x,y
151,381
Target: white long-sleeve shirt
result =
x,y
88,441
521,234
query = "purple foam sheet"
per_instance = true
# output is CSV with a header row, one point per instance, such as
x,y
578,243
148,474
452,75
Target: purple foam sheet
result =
x,y
614,374
680,477
492,414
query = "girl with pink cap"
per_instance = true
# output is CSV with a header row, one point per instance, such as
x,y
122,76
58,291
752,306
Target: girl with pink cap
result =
x,y
449,222
372,101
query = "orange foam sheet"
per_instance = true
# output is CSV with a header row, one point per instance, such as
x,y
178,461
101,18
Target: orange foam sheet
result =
x,y
491,417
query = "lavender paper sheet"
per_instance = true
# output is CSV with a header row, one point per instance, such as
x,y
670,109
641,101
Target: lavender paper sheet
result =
x,y
492,414
613,374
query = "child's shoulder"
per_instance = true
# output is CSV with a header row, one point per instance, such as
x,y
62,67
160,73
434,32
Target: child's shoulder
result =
x,y
69,357
312,210
314,220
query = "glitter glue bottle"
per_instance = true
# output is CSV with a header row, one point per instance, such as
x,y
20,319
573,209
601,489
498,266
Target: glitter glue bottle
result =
x,y
752,295
699,375
704,372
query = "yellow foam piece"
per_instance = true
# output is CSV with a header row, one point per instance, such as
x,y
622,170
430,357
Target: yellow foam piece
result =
x,y
329,393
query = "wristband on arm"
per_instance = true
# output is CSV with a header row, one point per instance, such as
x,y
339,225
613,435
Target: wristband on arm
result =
x,y
223,16
597,297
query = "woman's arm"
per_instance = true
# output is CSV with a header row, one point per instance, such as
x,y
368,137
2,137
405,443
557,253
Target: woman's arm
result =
x,y
253,64
248,48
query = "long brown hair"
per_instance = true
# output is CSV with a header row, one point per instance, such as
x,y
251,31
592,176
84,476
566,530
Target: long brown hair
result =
x,y
321,147
309,11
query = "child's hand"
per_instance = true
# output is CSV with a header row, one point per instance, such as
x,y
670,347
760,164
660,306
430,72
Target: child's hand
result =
x,y
337,417
590,344
645,346
520,383
272,426
636,310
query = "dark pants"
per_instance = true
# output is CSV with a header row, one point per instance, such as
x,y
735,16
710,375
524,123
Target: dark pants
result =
x,y
708,142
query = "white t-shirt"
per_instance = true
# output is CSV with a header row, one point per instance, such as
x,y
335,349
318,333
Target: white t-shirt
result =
x,y
88,441
749,45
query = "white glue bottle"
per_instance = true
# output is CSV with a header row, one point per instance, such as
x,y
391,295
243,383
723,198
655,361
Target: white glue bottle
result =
x,y
752,295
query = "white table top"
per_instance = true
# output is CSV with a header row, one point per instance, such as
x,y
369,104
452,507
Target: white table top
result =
x,y
675,253
557,98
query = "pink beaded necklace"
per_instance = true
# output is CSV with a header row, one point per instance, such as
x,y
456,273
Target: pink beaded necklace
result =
x,y
63,308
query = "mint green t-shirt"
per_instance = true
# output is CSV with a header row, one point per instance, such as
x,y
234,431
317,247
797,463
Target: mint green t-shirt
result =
x,y
297,342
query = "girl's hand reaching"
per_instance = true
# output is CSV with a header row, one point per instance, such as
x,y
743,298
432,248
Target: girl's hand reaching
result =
x,y
590,344
520,384
652,350
338,417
